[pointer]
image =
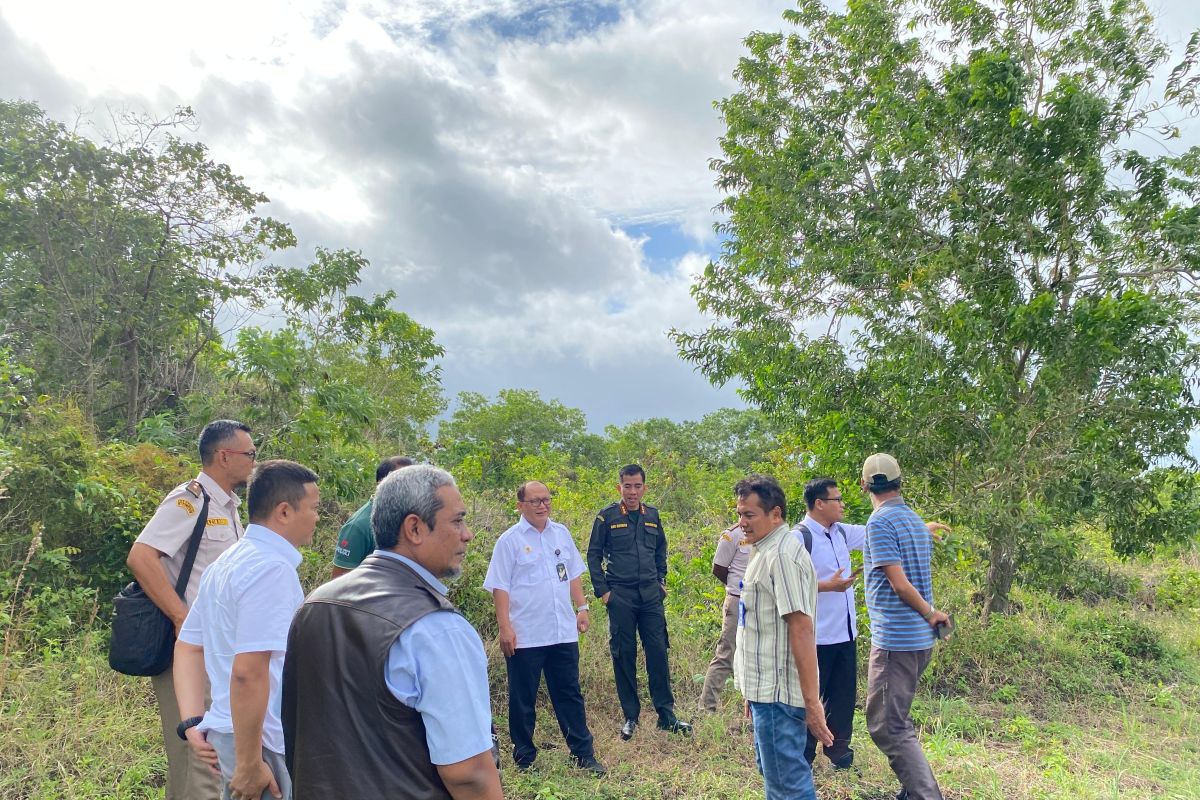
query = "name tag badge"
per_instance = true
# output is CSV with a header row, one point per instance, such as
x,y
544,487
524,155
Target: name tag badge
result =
x,y
562,571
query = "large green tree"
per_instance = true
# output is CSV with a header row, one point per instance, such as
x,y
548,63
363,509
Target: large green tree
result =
x,y
956,232
117,260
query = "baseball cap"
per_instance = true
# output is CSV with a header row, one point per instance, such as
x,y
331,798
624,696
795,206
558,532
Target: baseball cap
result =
x,y
880,468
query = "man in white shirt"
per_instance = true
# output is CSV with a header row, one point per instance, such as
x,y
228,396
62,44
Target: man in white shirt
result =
x,y
236,634
829,542
534,578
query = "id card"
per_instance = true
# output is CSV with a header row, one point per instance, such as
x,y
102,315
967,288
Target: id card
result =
x,y
562,572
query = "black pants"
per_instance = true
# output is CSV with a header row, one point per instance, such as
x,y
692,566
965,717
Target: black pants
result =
x,y
560,662
634,611
838,664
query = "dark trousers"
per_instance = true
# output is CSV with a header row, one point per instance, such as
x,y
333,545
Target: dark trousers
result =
x,y
632,612
560,662
838,665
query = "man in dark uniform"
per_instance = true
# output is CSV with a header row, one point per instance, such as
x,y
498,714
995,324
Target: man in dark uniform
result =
x,y
627,560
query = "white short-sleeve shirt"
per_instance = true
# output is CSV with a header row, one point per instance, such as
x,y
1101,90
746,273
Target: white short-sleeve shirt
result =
x,y
246,602
536,569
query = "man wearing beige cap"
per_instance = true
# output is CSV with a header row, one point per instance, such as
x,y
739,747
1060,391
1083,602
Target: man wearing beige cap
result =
x,y
899,588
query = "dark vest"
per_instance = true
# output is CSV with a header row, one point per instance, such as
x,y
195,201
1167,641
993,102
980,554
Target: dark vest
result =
x,y
345,734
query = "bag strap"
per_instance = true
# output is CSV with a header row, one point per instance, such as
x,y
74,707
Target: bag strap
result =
x,y
185,572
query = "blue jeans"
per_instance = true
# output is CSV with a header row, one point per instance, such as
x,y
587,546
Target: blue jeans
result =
x,y
780,733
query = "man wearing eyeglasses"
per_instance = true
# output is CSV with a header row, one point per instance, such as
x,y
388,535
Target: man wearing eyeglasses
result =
x,y
534,578
227,458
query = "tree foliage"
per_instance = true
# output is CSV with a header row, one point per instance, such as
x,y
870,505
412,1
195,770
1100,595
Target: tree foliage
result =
x,y
116,260
944,241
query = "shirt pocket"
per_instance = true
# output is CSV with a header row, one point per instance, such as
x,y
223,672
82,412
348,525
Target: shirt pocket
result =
x,y
219,529
528,571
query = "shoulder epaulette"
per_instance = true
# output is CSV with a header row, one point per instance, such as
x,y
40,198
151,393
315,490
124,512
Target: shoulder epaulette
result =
x,y
194,489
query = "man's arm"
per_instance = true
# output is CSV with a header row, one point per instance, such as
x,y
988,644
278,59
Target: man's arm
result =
x,y
838,582
720,573
474,778
508,637
660,555
190,682
249,690
144,562
803,644
597,546
904,589
583,620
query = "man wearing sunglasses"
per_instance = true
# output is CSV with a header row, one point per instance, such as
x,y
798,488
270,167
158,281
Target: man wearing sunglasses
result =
x,y
227,458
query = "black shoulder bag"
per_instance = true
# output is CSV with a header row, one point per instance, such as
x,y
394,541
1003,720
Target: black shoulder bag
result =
x,y
143,637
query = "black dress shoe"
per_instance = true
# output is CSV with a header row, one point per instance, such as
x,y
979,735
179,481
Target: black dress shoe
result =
x,y
628,728
675,726
591,764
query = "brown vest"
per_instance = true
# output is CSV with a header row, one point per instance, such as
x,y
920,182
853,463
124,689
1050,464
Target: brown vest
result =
x,y
345,734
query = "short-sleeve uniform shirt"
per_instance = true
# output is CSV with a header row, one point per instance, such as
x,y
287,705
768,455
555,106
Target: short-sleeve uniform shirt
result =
x,y
246,602
896,535
733,553
779,581
536,569
169,530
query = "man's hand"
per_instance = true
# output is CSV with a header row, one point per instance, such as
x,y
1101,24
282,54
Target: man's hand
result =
x,y
604,597
815,718
508,640
249,781
937,618
663,586
746,709
204,751
582,621
837,582
936,529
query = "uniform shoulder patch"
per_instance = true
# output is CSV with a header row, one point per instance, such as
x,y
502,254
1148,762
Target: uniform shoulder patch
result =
x,y
726,537
194,489
186,505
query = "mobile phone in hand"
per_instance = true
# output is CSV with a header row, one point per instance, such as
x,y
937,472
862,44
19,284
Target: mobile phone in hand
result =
x,y
943,630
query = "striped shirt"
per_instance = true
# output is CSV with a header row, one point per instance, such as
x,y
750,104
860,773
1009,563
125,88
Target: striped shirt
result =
x,y
779,581
896,535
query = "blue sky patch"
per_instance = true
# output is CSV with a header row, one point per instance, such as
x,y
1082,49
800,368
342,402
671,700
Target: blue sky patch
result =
x,y
665,243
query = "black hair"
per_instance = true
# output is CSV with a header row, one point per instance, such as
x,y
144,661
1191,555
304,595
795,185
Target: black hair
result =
x,y
817,489
631,469
390,465
217,433
274,482
884,488
770,493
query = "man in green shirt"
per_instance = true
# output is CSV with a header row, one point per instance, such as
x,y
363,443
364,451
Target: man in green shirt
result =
x,y
355,540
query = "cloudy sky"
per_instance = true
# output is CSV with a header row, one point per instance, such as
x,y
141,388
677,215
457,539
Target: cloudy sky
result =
x,y
530,176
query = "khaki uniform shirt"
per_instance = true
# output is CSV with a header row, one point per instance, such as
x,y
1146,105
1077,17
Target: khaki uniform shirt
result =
x,y
779,581
171,526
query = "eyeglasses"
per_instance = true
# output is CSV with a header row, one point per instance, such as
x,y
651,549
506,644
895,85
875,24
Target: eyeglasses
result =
x,y
539,501
251,454
837,499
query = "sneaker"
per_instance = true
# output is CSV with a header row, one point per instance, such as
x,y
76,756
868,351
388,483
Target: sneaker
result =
x,y
591,764
672,725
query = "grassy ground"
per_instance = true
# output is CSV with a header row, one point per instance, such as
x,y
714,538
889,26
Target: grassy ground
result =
x,y
1068,698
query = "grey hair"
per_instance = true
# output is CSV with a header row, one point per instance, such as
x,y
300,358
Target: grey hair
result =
x,y
412,490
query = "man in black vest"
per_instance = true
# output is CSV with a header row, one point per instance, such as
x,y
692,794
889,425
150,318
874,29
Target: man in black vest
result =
x,y
385,689
627,560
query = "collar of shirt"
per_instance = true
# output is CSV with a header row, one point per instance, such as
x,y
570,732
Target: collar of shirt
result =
x,y
772,539
815,526
274,543
641,509
527,526
222,497
892,501
425,574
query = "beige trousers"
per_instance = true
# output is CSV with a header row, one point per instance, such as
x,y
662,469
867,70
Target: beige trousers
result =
x,y
187,776
721,665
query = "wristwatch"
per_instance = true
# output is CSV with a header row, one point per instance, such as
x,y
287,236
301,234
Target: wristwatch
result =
x,y
583,607
190,722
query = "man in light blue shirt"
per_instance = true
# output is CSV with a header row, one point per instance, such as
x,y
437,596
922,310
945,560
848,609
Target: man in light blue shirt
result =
x,y
385,688
897,557
235,634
